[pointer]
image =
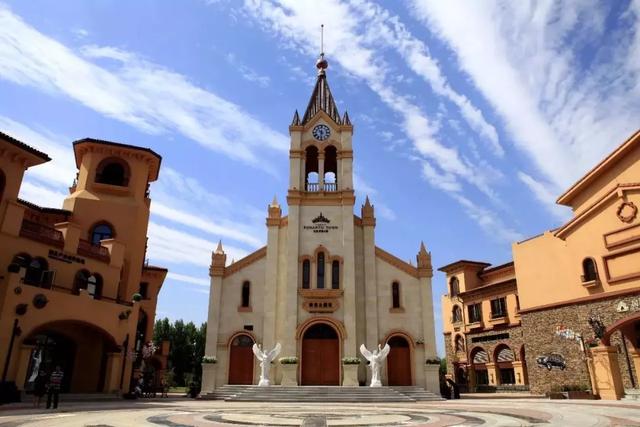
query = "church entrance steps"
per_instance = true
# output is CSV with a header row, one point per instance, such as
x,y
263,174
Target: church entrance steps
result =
x,y
320,394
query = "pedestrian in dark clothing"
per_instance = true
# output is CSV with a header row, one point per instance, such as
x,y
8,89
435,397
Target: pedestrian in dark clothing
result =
x,y
55,381
39,388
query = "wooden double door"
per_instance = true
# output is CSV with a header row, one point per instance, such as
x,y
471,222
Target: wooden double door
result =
x,y
399,362
241,360
320,356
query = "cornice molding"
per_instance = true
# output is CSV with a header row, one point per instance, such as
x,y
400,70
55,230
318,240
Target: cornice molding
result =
x,y
396,262
244,262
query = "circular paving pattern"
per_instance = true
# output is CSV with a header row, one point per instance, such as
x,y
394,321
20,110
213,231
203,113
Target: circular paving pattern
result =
x,y
188,413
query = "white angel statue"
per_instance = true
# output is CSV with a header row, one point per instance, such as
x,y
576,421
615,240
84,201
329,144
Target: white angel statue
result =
x,y
265,359
375,362
37,359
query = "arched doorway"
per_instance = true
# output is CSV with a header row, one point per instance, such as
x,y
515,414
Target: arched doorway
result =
x,y
241,360
80,349
320,356
399,362
479,359
504,357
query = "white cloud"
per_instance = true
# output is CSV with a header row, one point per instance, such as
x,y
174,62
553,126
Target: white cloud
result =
x,y
296,23
132,90
563,112
247,73
177,247
200,281
363,189
385,28
545,196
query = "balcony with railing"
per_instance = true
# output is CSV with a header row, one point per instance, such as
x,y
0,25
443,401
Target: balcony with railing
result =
x,y
41,233
90,250
315,187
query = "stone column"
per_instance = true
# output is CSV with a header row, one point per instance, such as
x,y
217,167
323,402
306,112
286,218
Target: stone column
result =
x,y
112,372
635,358
23,358
321,169
493,372
271,276
349,280
607,372
370,279
519,372
425,274
287,315
218,262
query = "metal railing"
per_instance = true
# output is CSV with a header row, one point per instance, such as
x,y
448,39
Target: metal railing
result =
x,y
93,251
41,233
327,186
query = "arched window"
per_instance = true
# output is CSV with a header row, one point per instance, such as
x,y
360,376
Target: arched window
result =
x,y
457,314
395,294
589,270
311,182
100,232
454,286
81,281
459,345
335,274
35,271
320,267
330,169
94,285
3,183
113,171
246,294
306,274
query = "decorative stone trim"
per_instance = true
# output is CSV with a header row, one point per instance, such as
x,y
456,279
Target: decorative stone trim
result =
x,y
244,262
627,212
396,262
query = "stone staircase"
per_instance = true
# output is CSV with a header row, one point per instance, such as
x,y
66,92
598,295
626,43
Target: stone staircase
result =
x,y
632,394
252,393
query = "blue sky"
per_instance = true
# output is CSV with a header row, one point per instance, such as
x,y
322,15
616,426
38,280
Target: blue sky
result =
x,y
470,118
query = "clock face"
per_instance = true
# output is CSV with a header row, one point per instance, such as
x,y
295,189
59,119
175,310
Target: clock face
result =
x,y
321,132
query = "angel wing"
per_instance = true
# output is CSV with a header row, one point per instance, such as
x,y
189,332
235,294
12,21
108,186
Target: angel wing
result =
x,y
274,352
366,353
257,351
385,351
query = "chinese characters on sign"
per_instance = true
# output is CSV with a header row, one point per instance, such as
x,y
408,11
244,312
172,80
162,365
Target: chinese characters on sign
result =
x,y
321,224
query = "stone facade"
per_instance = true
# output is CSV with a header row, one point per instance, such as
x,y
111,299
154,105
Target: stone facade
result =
x,y
543,335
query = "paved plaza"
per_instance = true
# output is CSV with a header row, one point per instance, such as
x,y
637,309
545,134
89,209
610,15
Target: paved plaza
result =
x,y
183,412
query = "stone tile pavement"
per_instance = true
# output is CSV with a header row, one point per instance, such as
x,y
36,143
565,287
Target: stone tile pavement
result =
x,y
186,412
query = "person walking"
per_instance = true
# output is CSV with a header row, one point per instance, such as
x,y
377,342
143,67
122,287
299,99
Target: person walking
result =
x,y
55,381
39,388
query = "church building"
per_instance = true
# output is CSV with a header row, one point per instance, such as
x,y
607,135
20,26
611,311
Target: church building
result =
x,y
321,287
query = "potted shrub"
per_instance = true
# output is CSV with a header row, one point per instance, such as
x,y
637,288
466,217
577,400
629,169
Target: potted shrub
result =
x,y
350,371
289,367
209,364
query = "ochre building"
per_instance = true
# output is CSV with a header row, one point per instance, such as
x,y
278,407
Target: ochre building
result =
x,y
321,286
484,344
68,276
578,287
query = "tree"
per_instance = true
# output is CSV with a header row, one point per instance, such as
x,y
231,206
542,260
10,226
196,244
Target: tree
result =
x,y
186,348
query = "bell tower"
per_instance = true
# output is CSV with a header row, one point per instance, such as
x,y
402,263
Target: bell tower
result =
x,y
321,154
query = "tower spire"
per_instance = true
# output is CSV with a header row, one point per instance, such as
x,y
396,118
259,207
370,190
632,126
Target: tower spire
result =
x,y
321,98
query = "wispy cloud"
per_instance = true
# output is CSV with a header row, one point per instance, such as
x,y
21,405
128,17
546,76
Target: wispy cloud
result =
x,y
296,23
133,90
246,72
563,110
200,281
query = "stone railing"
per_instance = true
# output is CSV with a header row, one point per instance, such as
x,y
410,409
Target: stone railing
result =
x,y
93,251
41,233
